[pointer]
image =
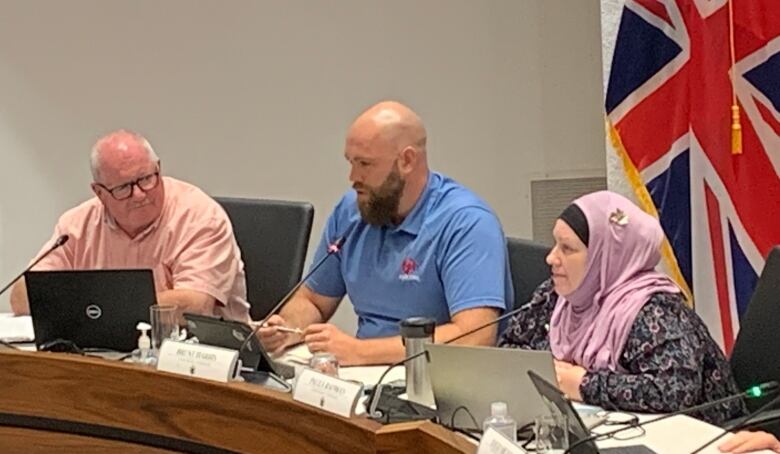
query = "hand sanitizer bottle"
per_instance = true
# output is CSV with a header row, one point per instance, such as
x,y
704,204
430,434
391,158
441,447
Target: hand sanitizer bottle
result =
x,y
500,421
144,342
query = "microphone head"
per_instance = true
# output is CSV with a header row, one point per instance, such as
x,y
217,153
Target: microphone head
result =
x,y
761,389
62,239
336,245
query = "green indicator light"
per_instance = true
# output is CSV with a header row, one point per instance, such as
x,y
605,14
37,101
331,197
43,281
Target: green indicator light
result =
x,y
754,391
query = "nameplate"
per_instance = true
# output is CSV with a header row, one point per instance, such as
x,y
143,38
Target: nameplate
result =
x,y
493,442
328,393
197,360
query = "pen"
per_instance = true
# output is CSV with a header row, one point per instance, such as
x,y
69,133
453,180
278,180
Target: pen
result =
x,y
285,329
281,328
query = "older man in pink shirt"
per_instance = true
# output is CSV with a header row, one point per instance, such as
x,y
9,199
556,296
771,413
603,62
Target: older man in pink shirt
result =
x,y
140,219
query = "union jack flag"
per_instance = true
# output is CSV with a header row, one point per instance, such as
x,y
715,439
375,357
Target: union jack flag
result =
x,y
669,116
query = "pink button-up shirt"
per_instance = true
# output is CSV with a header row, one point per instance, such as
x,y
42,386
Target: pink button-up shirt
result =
x,y
190,246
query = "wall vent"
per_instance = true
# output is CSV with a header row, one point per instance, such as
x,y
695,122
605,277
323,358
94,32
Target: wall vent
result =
x,y
549,197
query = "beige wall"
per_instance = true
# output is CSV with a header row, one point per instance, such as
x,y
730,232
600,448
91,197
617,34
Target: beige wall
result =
x,y
252,98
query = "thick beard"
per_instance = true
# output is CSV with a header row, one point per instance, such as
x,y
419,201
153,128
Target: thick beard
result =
x,y
381,208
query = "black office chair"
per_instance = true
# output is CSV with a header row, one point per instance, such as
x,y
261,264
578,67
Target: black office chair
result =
x,y
273,236
528,267
756,354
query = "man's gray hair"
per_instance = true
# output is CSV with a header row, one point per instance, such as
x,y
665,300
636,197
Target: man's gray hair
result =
x,y
94,157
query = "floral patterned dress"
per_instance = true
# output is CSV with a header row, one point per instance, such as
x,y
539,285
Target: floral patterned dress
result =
x,y
670,360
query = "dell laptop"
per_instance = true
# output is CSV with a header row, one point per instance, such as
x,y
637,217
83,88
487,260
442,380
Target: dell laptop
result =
x,y
94,309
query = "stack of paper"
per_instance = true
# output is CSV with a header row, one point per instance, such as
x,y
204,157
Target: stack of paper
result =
x,y
16,329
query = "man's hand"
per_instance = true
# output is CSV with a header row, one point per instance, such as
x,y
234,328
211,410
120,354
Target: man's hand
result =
x,y
19,303
569,379
324,337
185,300
273,340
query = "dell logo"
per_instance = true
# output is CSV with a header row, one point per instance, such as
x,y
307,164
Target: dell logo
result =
x,y
94,311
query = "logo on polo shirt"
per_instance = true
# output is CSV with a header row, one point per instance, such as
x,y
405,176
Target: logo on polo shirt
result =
x,y
408,267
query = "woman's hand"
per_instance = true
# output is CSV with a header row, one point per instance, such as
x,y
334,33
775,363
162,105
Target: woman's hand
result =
x,y
569,379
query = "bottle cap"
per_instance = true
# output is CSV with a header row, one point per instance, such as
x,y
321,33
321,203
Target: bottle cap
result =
x,y
326,363
498,409
143,326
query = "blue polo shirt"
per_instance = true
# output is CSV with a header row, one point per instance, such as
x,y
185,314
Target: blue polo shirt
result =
x,y
448,255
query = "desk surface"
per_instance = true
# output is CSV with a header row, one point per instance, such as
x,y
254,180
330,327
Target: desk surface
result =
x,y
96,390
678,434
368,375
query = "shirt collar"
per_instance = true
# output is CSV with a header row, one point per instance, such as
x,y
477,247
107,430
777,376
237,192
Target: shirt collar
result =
x,y
413,223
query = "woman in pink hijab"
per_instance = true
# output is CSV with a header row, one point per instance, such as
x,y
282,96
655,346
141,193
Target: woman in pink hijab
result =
x,y
621,333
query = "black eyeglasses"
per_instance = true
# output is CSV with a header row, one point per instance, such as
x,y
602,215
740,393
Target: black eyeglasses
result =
x,y
630,422
124,191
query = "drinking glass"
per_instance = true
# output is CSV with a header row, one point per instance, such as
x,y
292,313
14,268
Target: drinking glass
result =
x,y
165,325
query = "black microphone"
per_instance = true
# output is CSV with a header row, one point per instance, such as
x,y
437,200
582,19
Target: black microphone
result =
x,y
744,422
333,248
752,392
62,239
373,400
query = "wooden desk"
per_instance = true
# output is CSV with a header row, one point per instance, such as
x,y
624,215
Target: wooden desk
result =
x,y
75,403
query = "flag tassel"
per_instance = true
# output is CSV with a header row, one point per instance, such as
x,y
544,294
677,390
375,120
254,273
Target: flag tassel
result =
x,y
736,131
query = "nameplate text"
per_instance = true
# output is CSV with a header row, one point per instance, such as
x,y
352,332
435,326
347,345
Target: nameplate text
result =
x,y
326,392
198,360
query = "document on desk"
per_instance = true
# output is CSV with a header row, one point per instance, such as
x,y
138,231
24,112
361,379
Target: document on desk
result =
x,y
16,329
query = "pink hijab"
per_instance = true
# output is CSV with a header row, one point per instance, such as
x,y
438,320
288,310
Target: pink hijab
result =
x,y
590,326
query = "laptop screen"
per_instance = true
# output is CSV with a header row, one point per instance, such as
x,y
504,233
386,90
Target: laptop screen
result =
x,y
558,403
459,379
92,309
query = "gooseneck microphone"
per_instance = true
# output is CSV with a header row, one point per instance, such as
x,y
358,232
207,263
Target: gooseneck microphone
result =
x,y
373,400
62,239
753,392
333,248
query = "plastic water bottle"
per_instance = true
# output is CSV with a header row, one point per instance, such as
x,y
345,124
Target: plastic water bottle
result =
x,y
500,421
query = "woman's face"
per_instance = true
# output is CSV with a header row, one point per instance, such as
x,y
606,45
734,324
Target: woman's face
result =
x,y
568,259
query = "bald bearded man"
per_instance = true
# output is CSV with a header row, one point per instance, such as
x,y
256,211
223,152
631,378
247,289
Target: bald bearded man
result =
x,y
140,219
418,244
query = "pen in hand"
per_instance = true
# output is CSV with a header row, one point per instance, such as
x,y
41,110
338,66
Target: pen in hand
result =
x,y
285,329
281,328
